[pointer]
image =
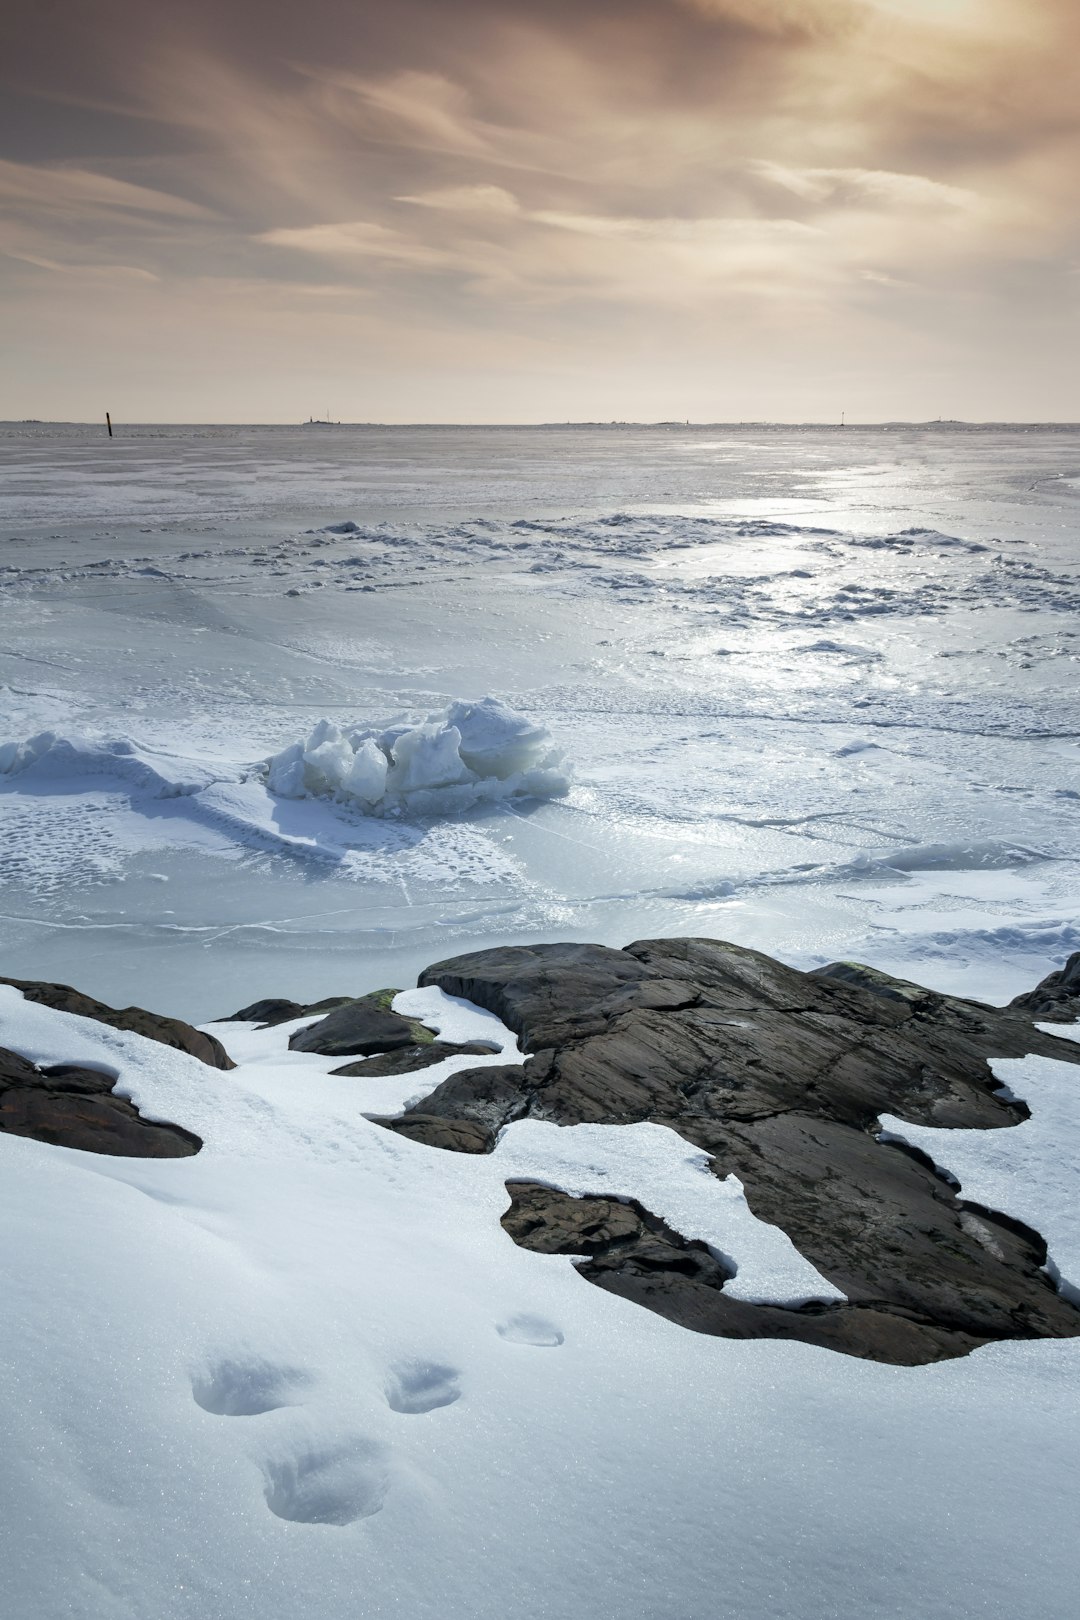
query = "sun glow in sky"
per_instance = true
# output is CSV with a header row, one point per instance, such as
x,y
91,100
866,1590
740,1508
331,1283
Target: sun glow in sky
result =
x,y
945,12
540,209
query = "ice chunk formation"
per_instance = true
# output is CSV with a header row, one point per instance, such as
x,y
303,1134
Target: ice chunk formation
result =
x,y
465,754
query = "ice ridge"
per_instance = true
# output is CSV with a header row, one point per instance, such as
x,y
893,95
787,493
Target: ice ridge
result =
x,y
465,754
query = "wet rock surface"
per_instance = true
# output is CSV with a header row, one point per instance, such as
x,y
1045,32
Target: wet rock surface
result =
x,y
780,1076
72,1106
155,1026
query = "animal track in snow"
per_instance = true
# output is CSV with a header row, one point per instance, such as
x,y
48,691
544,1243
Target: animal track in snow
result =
x,y
422,1386
239,1386
335,1484
530,1330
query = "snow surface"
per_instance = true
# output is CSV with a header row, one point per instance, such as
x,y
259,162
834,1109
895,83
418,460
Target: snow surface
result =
x,y
820,695
1032,1171
309,1361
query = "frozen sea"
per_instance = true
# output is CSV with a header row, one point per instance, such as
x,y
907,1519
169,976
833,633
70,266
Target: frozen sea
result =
x,y
814,692
818,690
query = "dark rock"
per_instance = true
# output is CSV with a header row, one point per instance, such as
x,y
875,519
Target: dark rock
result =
x,y
780,1076
156,1026
76,1107
552,1222
407,1059
632,1253
467,1112
455,1135
19,1071
361,1028
275,1010
1056,999
549,994
491,1096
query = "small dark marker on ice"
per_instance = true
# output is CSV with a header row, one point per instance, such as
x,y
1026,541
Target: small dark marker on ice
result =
x,y
108,423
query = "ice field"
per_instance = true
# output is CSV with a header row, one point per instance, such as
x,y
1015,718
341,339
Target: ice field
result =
x,y
296,713
813,691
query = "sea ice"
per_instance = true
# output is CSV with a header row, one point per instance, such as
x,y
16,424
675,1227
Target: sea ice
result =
x,y
930,728
462,755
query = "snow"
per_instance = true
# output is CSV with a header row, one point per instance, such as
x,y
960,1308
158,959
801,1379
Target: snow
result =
x,y
469,755
1032,1171
461,756
950,857
653,1165
819,692
309,1360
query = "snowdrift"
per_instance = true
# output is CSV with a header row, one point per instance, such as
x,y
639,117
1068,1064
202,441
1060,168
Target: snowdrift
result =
x,y
460,756
49,757
465,754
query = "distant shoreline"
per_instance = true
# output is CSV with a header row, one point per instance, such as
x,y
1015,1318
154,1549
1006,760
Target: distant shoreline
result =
x,y
575,427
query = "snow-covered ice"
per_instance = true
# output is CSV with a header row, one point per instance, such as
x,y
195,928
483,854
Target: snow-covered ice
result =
x,y
280,716
790,671
780,664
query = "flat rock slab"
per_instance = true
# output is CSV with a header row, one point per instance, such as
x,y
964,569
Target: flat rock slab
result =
x,y
408,1059
361,1028
274,1010
454,1135
75,1107
155,1026
780,1076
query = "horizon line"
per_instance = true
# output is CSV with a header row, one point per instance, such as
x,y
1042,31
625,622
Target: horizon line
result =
x,y
594,422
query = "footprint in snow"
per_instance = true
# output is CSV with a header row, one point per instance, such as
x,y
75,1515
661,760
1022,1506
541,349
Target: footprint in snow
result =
x,y
244,1386
334,1484
422,1386
530,1330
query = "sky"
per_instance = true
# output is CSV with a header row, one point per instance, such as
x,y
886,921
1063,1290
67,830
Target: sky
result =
x,y
540,210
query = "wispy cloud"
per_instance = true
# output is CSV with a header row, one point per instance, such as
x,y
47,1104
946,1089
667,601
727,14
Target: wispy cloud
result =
x,y
67,190
355,239
479,199
866,187
710,185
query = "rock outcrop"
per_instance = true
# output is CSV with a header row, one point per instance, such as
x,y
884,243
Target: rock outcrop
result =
x,y
360,1028
366,1027
780,1076
409,1059
1056,999
275,1010
76,1107
155,1026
